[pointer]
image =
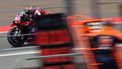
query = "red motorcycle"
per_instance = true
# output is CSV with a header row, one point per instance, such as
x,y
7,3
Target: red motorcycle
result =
x,y
18,34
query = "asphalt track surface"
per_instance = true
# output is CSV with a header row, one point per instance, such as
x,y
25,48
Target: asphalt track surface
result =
x,y
4,42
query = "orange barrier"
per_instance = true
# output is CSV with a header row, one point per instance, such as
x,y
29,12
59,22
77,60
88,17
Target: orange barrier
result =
x,y
79,28
82,32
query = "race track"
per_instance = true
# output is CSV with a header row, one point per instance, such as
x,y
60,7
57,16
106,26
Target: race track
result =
x,y
3,41
3,37
9,9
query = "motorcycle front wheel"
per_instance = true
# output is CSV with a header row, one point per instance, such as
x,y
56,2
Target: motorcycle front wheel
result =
x,y
13,37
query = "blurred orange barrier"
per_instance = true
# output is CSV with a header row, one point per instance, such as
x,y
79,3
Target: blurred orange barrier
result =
x,y
118,56
117,24
79,28
109,31
82,31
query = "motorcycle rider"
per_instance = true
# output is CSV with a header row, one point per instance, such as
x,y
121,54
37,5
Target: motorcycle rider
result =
x,y
25,18
28,13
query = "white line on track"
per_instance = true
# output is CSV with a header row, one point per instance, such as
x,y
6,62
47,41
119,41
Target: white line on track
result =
x,y
19,53
20,48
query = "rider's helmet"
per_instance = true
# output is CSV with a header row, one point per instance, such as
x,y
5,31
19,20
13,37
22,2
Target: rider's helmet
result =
x,y
28,13
30,10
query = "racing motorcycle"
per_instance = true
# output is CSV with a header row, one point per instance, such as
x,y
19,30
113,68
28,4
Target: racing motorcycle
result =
x,y
18,35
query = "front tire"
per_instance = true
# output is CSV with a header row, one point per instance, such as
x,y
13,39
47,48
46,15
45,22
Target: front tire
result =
x,y
14,39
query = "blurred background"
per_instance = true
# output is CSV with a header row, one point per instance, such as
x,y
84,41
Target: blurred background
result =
x,y
9,9
95,8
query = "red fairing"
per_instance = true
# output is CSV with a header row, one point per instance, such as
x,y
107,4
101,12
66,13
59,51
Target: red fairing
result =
x,y
25,23
44,12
